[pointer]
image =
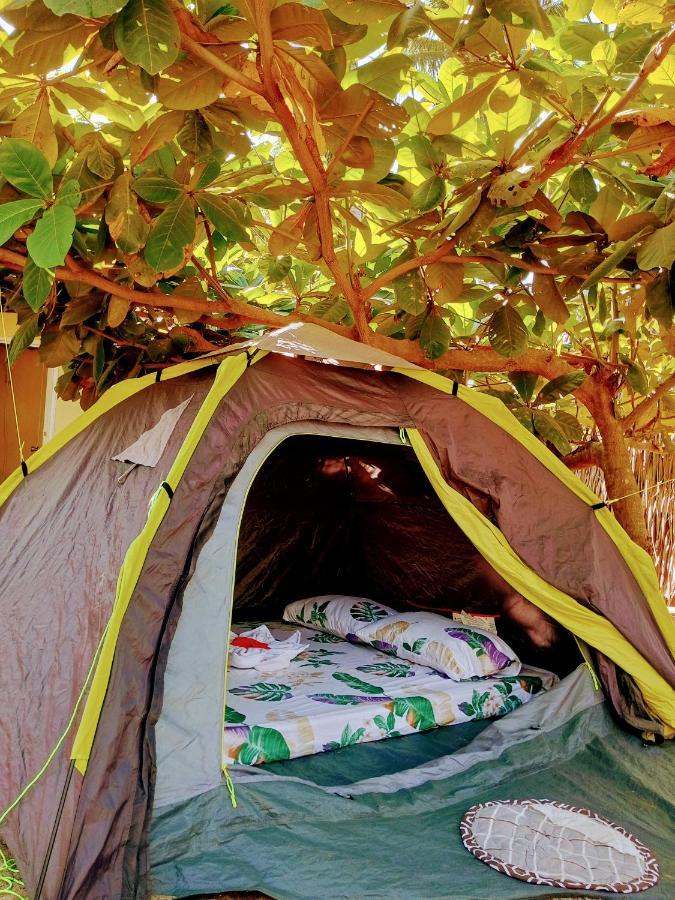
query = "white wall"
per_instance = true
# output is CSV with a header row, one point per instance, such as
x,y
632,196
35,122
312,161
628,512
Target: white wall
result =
x,y
58,413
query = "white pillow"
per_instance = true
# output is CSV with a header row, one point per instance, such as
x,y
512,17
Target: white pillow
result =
x,y
458,651
337,614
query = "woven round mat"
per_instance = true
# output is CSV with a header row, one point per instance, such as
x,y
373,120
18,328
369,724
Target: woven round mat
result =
x,y
550,843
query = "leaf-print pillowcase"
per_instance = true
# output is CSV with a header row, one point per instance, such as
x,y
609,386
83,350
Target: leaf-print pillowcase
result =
x,y
458,651
337,614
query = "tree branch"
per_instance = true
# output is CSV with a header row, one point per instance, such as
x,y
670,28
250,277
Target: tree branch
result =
x,y
408,266
198,51
589,456
645,406
559,158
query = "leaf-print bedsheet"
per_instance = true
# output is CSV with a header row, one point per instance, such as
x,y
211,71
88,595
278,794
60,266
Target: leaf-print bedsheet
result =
x,y
336,694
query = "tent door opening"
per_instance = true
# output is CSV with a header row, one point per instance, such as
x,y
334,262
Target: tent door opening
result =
x,y
327,514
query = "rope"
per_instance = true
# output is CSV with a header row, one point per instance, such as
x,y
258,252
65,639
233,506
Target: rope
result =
x,y
31,784
11,884
230,787
11,380
642,490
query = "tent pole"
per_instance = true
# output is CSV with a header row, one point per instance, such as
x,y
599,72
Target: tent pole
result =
x,y
55,828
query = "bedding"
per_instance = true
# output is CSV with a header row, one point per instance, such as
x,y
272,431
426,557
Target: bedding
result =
x,y
458,651
337,694
336,613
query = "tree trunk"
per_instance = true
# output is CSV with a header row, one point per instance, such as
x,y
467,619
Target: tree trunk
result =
x,y
616,465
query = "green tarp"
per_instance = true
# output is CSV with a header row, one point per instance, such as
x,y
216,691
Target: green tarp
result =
x,y
293,838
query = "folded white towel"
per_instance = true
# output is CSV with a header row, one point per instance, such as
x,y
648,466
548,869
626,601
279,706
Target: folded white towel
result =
x,y
278,656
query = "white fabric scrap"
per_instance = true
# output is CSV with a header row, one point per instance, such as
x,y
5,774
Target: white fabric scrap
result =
x,y
147,450
276,658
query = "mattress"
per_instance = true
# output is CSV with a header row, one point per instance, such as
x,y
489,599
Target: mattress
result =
x,y
336,694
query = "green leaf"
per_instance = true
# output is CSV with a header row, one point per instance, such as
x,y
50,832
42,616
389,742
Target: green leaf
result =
x,y
81,308
410,23
52,237
90,9
660,302
522,12
69,193
279,268
367,611
446,280
524,383
429,194
157,188
100,160
147,34
127,226
385,74
507,331
173,231
463,108
434,336
195,136
15,214
550,430
608,265
353,682
23,337
636,375
658,250
99,360
37,283
22,164
210,172
569,425
560,387
582,186
332,309
409,293
227,216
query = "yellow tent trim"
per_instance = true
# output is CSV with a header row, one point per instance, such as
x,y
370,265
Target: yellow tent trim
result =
x,y
638,560
594,629
228,373
114,395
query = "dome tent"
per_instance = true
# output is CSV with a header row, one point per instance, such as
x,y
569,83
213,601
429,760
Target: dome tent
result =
x,y
118,583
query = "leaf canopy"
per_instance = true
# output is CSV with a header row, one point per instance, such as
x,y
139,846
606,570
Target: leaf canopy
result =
x,y
482,189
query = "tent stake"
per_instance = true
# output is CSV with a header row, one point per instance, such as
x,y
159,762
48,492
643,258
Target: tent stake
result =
x,y
55,828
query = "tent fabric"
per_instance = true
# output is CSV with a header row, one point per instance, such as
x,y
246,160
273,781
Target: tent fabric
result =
x,y
112,398
188,749
635,556
148,448
580,760
594,629
68,526
228,372
60,562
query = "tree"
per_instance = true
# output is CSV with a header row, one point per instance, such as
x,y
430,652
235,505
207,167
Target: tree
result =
x,y
177,177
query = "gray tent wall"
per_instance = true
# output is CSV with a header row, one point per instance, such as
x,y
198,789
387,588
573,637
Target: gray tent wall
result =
x,y
63,523
64,533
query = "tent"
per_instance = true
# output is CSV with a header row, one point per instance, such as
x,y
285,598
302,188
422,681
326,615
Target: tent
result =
x,y
122,542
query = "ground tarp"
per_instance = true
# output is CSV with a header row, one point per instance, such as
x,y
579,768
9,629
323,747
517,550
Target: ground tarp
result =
x,y
395,834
